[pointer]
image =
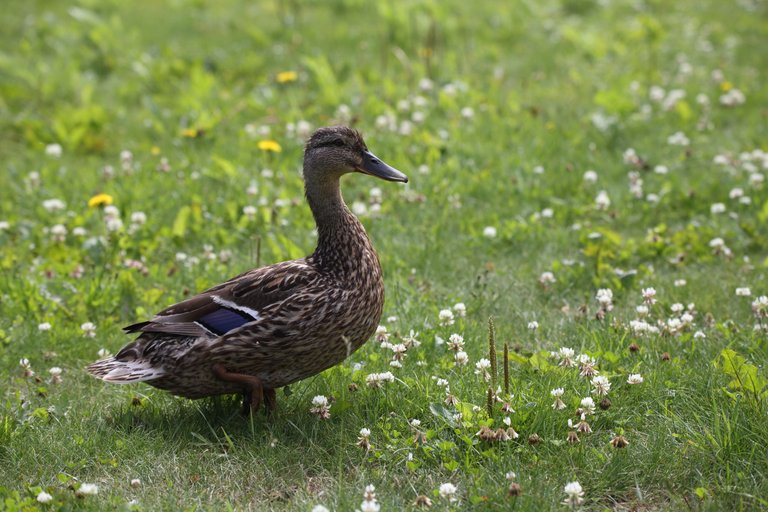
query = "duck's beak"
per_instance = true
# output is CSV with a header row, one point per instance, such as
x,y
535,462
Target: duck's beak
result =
x,y
375,167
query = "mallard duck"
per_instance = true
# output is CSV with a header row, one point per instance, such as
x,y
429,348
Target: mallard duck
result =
x,y
274,325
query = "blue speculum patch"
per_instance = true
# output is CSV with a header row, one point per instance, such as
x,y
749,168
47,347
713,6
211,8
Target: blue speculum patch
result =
x,y
224,320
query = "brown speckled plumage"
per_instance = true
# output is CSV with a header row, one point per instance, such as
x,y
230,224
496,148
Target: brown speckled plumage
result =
x,y
297,317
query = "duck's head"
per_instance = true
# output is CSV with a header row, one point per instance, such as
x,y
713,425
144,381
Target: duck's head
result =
x,y
336,150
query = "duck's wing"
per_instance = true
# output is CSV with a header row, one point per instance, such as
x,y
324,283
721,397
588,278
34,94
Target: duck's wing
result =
x,y
232,304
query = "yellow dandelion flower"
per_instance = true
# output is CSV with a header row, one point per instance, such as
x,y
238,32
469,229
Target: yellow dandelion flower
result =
x,y
269,145
726,86
100,200
286,76
190,132
155,150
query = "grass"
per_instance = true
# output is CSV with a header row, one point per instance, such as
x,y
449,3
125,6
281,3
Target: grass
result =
x,y
189,88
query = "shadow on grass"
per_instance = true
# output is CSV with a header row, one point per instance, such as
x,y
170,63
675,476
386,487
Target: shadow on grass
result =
x,y
215,421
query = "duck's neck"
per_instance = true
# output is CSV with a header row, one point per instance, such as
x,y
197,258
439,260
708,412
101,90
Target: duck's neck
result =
x,y
341,239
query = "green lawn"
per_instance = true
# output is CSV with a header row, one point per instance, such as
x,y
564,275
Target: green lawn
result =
x,y
616,145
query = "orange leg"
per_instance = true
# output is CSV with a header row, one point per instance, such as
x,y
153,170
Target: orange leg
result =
x,y
253,389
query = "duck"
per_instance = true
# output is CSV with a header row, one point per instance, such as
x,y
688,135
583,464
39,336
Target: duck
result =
x,y
278,324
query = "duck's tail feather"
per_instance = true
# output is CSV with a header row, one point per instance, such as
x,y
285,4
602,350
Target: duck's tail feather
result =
x,y
123,372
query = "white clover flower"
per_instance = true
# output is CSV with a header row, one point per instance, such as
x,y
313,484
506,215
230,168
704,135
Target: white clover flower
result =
x,y
743,292
445,317
88,489
467,112
79,231
639,327
601,384
656,93
249,211
44,497
54,150
456,342
410,340
602,201
717,208
649,295
547,278
54,205
370,506
533,325
574,494
135,483
482,367
604,297
587,365
590,176
680,282
588,405
489,232
320,407
733,98
676,307
59,232
716,243
461,358
661,169
382,336
406,128
566,357
89,329
672,98
678,139
635,378
760,307
375,380
55,374
448,491
460,309
602,122
138,218
630,157
114,224
45,326
557,394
